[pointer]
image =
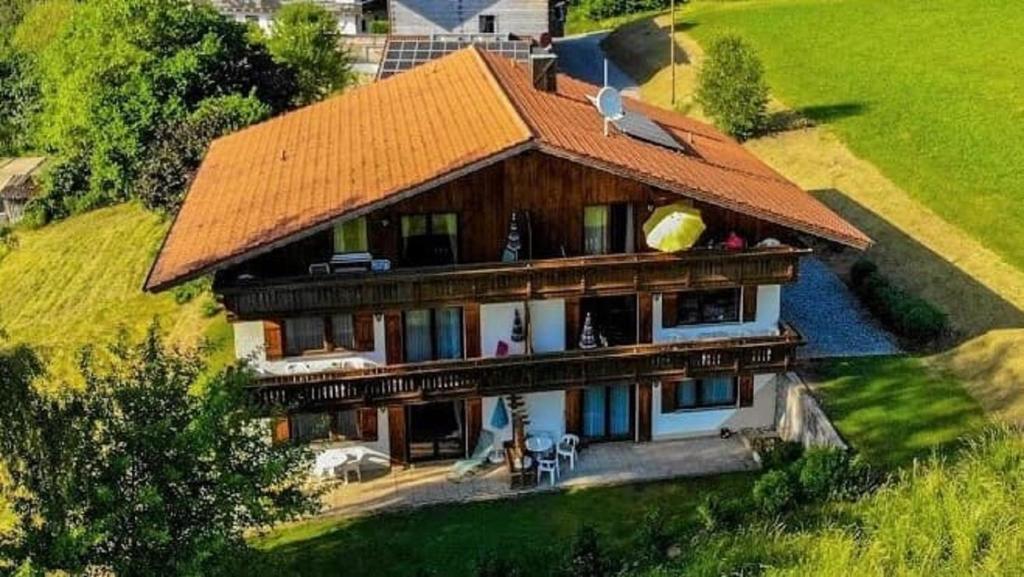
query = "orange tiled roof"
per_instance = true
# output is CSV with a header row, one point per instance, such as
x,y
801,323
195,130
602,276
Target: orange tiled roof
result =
x,y
270,183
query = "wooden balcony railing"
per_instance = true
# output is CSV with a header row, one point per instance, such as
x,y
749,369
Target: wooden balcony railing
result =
x,y
503,282
524,374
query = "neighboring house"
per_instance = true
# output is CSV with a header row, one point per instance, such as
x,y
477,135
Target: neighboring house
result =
x,y
362,249
522,19
424,30
19,183
353,17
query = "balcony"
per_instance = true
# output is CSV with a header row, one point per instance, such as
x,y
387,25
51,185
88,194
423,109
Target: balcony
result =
x,y
525,374
503,282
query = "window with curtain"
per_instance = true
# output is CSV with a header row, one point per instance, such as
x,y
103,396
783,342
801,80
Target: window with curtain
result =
x,y
594,412
307,427
350,236
430,239
706,393
346,425
433,334
303,334
709,307
595,229
343,332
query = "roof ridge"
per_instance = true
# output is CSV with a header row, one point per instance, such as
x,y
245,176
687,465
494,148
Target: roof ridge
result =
x,y
503,90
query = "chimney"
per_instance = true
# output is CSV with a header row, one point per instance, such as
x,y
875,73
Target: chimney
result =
x,y
544,71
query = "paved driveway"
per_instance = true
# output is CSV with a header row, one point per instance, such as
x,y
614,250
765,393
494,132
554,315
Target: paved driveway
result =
x,y
581,56
829,316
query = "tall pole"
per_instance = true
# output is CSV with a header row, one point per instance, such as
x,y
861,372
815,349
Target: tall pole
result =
x,y
672,50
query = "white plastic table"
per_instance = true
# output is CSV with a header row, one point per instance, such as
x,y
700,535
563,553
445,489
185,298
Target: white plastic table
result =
x,y
539,444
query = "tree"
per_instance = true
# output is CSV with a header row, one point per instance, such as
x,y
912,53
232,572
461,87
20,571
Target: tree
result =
x,y
731,87
305,36
146,471
112,73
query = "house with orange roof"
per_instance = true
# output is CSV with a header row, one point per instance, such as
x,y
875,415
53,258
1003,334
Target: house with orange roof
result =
x,y
470,254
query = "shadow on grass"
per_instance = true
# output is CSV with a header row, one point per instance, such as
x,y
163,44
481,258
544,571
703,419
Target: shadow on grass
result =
x,y
647,57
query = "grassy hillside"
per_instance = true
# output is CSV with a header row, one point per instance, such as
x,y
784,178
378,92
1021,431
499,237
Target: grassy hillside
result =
x,y
930,92
78,282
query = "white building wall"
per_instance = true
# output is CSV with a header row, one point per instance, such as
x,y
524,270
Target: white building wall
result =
x,y
547,318
426,17
251,346
546,410
702,422
766,323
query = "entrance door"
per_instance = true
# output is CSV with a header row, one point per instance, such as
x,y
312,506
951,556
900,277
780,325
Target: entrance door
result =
x,y
436,431
608,413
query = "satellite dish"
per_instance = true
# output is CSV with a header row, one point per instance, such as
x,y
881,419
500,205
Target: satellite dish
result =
x,y
609,103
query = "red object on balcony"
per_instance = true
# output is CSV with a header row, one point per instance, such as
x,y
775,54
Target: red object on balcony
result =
x,y
735,242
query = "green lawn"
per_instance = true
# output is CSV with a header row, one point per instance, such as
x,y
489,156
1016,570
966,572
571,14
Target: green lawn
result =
x,y
578,23
895,409
930,92
79,282
892,409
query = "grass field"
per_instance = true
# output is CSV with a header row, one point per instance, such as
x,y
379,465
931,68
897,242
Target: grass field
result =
x,y
79,282
578,23
932,93
892,409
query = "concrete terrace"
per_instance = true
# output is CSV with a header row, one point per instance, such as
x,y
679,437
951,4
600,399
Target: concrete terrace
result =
x,y
598,465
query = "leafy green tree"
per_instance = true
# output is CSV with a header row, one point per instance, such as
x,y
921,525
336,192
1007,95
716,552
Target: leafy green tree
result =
x,y
146,471
731,87
306,37
112,73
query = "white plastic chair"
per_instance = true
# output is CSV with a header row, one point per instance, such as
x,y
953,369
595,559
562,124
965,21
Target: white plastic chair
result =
x,y
549,466
353,464
567,448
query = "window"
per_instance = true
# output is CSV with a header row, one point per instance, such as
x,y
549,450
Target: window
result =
x,y
488,24
343,425
433,334
430,239
606,229
709,307
303,334
705,393
350,236
311,427
343,332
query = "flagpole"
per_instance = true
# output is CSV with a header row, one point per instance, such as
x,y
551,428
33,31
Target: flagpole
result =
x,y
672,50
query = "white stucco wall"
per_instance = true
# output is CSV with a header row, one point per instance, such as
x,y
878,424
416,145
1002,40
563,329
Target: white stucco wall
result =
x,y
701,422
546,411
547,318
426,17
769,303
250,345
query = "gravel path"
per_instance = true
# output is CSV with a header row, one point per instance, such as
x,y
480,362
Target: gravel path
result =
x,y
824,310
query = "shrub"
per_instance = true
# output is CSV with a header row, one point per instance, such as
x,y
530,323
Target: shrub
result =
x,y
731,87
493,566
8,240
186,293
822,471
585,556
380,27
780,453
908,316
653,538
601,9
774,491
715,514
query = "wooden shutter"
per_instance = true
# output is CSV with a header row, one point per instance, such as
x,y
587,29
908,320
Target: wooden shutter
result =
x,y
644,409
471,319
474,423
362,324
280,429
668,396
669,312
573,323
645,313
749,304
273,339
394,353
574,411
367,419
396,434
746,390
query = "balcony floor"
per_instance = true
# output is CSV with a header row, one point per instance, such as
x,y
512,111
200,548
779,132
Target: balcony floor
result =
x,y
599,464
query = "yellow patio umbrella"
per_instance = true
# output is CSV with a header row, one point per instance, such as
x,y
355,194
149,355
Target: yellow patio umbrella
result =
x,y
673,228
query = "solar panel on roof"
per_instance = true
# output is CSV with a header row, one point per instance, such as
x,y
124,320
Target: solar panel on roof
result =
x,y
639,126
403,54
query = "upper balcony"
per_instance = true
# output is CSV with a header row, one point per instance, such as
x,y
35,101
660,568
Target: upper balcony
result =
x,y
439,380
504,282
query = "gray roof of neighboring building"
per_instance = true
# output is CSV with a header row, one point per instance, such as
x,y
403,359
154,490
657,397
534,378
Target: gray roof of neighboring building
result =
x,y
17,176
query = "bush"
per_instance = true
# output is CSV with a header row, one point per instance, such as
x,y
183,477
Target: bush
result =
x,y
585,556
601,9
908,316
653,538
779,453
822,471
715,514
493,566
774,491
186,293
380,27
731,87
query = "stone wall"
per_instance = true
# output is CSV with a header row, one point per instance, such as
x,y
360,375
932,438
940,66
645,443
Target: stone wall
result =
x,y
799,417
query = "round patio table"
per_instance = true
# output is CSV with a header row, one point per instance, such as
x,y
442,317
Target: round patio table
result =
x,y
539,445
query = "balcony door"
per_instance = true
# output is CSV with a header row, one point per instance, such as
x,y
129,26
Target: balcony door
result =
x,y
608,413
437,431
